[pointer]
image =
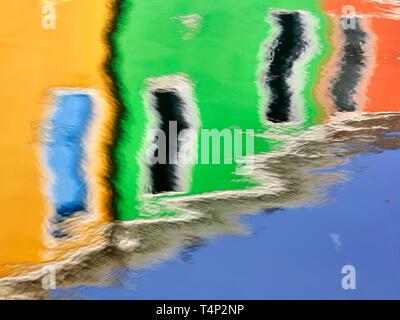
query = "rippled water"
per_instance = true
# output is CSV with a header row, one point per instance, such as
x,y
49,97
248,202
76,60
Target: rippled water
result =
x,y
331,200
288,253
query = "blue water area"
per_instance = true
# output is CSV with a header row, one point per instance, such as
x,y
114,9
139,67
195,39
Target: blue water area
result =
x,y
291,253
64,152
